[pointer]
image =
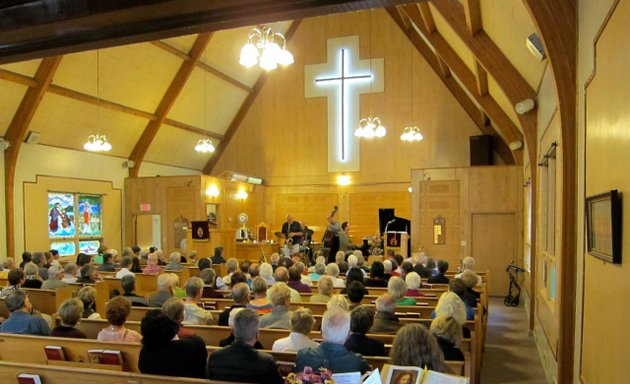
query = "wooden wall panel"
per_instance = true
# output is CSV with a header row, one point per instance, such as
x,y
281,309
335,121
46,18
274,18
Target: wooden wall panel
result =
x,y
307,208
364,207
440,198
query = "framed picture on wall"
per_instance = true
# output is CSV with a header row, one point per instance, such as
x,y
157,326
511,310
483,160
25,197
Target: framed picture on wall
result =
x,y
211,214
603,222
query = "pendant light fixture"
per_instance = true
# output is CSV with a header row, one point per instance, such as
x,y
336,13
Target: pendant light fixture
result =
x,y
205,145
411,132
97,142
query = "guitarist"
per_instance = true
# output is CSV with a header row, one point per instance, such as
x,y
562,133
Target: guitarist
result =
x,y
292,233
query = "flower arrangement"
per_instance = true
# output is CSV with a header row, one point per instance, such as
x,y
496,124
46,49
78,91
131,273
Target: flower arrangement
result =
x,y
376,248
308,376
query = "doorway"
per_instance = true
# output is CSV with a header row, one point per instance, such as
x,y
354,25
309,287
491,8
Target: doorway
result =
x,y
148,231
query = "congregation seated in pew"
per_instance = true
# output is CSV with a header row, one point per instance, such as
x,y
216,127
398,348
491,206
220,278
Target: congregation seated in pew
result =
x,y
385,320
361,320
230,339
128,284
279,317
324,288
449,334
87,295
260,303
193,313
117,311
302,323
23,319
415,346
240,295
70,313
166,283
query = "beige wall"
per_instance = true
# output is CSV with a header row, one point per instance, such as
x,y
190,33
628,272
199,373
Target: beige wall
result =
x,y
607,118
283,138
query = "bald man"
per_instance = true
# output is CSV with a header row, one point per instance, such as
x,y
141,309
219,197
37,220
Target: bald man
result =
x,y
291,230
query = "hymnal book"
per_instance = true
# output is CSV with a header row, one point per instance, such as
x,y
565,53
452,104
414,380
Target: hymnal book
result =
x,y
112,357
95,356
54,352
27,378
395,374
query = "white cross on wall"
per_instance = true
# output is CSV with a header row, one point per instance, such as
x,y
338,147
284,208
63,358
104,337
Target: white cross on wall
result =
x,y
342,79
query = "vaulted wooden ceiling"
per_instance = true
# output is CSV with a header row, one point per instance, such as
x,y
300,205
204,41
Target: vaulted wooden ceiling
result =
x,y
155,98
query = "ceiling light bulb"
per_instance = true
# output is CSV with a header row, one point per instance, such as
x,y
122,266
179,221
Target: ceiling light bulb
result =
x,y
267,61
285,57
249,55
380,131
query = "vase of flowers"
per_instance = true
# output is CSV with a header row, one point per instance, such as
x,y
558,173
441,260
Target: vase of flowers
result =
x,y
324,376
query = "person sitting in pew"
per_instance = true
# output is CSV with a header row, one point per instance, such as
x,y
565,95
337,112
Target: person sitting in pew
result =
x,y
398,289
240,361
232,266
152,267
55,274
260,303
414,282
304,278
440,278
7,265
116,312
70,313
405,268
354,274
128,284
279,317
193,313
450,304
377,276
89,275
166,283
39,259
332,270
209,277
457,287
16,279
163,353
23,320
324,289
87,295
174,264
361,320
415,346
266,272
331,353
449,334
282,276
70,273
295,281
230,339
125,267
217,258
385,320
469,278
319,269
240,295
468,264
26,258
108,263
355,291
338,301
31,277
174,309
302,322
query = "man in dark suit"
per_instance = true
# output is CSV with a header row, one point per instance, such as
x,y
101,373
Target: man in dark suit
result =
x,y
361,319
385,321
166,284
240,361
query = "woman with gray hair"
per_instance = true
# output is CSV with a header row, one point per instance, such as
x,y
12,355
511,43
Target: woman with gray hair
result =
x,y
301,326
324,288
31,274
70,313
260,303
266,272
193,313
279,317
209,277
397,288
332,270
448,334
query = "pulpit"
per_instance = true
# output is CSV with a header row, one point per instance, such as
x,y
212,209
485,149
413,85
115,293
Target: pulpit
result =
x,y
397,242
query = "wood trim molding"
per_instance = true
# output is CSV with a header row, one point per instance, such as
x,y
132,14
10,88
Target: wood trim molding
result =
x,y
15,135
491,108
167,102
557,23
242,112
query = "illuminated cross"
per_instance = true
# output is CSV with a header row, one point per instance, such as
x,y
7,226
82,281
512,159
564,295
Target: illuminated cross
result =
x,y
342,79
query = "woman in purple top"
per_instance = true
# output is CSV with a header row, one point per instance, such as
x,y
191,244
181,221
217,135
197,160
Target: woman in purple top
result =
x,y
295,283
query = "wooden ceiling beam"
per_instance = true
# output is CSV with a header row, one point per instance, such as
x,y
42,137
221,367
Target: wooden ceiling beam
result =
x,y
15,136
204,66
193,129
482,79
60,26
472,10
242,112
456,89
17,78
167,102
509,130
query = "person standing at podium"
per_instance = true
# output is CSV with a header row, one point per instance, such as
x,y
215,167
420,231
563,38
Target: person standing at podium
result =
x,y
292,233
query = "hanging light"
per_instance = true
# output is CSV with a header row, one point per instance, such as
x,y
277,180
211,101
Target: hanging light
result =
x,y
370,127
411,133
265,48
98,142
204,146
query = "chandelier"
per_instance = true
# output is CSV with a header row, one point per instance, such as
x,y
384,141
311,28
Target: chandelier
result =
x,y
411,133
98,142
204,146
370,127
265,48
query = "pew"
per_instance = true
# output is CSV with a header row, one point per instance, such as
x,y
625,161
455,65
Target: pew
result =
x,y
48,300
72,375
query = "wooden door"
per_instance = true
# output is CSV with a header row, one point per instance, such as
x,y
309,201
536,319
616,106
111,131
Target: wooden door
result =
x,y
494,247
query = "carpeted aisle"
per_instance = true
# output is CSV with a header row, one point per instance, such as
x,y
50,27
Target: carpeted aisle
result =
x,y
511,355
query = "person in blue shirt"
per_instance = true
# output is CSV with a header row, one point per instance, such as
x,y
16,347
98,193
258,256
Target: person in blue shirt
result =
x,y
22,321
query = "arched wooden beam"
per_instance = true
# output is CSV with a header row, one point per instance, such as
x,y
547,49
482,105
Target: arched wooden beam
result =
x,y
557,23
15,136
167,102
509,131
242,112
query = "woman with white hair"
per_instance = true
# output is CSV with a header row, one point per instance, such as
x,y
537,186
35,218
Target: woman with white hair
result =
x,y
302,322
31,274
397,288
414,282
332,270
279,317
338,301
468,264
324,288
266,272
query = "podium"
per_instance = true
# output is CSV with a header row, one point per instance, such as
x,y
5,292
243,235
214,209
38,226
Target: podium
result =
x,y
397,242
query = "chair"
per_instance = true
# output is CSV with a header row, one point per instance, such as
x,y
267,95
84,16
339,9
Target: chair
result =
x,y
262,232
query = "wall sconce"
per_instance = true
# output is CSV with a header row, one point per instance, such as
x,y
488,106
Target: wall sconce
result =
x,y
524,106
517,144
213,191
343,180
241,195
